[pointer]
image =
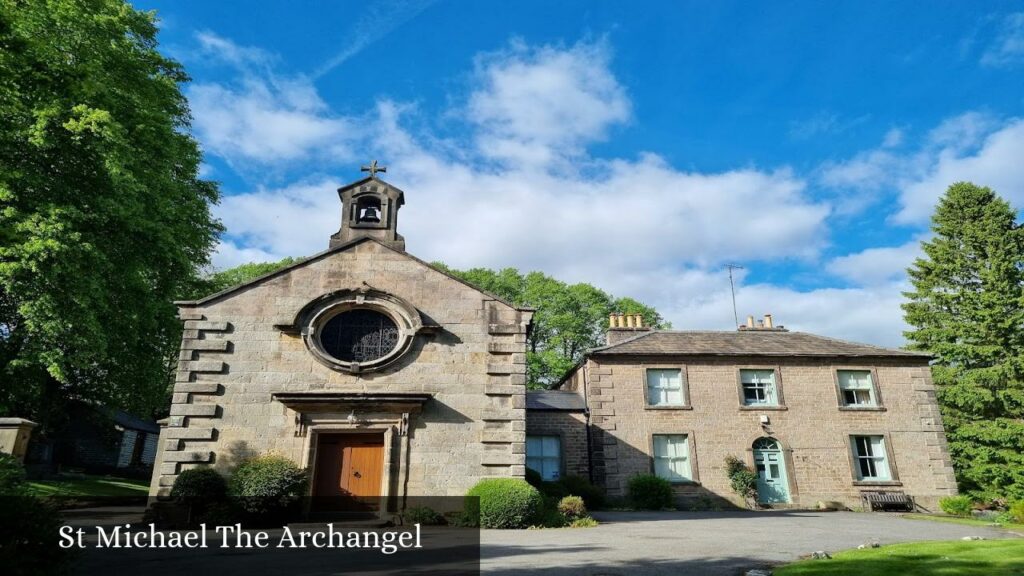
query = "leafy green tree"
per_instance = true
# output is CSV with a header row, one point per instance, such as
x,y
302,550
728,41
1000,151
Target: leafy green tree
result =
x,y
224,279
103,217
967,309
570,318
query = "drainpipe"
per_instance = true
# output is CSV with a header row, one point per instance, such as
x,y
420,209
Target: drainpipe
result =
x,y
586,421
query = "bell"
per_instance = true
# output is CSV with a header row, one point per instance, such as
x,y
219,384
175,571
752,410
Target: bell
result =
x,y
370,214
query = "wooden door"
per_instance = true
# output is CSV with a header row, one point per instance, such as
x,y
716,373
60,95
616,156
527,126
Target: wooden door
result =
x,y
348,472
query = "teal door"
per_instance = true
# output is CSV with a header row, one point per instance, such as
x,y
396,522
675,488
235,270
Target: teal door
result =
x,y
772,483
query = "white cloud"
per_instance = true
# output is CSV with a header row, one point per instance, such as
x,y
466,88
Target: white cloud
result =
x,y
973,146
501,196
378,19
1008,47
262,118
996,163
875,266
538,105
893,138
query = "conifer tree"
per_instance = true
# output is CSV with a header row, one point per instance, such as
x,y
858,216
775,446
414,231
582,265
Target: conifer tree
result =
x,y
967,309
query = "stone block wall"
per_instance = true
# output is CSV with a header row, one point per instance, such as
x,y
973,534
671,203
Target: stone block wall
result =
x,y
234,357
570,427
811,427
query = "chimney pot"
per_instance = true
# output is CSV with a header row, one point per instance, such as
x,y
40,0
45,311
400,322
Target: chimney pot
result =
x,y
767,320
630,321
611,320
750,321
639,321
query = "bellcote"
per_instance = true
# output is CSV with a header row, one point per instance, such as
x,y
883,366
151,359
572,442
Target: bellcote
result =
x,y
369,209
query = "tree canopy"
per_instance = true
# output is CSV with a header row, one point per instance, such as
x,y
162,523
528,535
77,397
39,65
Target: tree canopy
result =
x,y
570,318
104,219
967,309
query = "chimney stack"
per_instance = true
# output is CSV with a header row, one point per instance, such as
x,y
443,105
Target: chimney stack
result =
x,y
622,326
765,325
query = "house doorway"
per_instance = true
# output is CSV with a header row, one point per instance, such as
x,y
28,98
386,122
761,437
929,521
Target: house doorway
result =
x,y
349,469
770,463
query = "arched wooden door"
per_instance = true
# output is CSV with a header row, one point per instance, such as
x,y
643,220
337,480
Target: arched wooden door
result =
x,y
772,480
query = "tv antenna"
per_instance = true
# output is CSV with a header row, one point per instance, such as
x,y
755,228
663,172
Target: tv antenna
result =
x,y
732,288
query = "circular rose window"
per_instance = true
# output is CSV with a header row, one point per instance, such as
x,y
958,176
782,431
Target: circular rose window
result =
x,y
359,335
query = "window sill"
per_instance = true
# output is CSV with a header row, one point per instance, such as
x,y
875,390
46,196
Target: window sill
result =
x,y
862,409
680,407
877,483
749,407
685,483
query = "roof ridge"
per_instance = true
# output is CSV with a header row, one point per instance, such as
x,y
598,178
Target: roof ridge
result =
x,y
852,343
340,248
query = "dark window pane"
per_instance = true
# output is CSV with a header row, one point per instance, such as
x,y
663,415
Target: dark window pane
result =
x,y
359,336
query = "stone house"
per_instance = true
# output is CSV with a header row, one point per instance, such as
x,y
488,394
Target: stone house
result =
x,y
382,375
819,419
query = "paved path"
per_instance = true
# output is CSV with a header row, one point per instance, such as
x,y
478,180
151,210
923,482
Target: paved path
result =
x,y
712,543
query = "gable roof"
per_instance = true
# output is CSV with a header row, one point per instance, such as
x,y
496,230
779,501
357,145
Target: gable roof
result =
x,y
554,400
326,253
746,343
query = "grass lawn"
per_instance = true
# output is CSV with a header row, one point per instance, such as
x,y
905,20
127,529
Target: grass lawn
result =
x,y
964,521
973,558
89,487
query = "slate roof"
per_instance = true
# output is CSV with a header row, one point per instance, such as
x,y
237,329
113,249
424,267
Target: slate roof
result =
x,y
555,400
746,343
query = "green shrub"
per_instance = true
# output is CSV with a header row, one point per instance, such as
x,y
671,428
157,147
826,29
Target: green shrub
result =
x,y
267,484
742,479
424,515
648,492
554,490
534,478
585,522
504,503
12,475
593,496
199,486
957,505
28,537
1016,511
572,507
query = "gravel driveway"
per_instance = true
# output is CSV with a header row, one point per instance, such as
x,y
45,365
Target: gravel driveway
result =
x,y
714,543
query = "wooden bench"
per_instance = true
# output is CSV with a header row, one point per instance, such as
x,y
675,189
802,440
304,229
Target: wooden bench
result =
x,y
887,501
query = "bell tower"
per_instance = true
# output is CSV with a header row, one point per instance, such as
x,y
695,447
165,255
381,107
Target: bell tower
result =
x,y
369,209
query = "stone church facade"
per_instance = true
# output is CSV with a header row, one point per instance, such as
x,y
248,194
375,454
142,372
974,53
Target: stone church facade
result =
x,y
379,373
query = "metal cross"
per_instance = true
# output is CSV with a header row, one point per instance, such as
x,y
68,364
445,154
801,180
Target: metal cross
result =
x,y
373,168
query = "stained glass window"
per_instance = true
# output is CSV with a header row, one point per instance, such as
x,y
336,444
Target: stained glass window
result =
x,y
359,335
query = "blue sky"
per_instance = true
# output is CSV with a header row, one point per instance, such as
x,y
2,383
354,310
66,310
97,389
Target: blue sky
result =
x,y
638,146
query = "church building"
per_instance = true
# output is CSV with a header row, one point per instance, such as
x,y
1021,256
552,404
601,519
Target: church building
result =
x,y
388,378
380,374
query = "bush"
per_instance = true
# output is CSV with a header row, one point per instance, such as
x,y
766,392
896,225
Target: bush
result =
x,y
424,515
586,522
1016,511
554,490
957,505
267,485
593,496
533,478
648,492
12,475
742,479
504,503
28,537
199,486
572,508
